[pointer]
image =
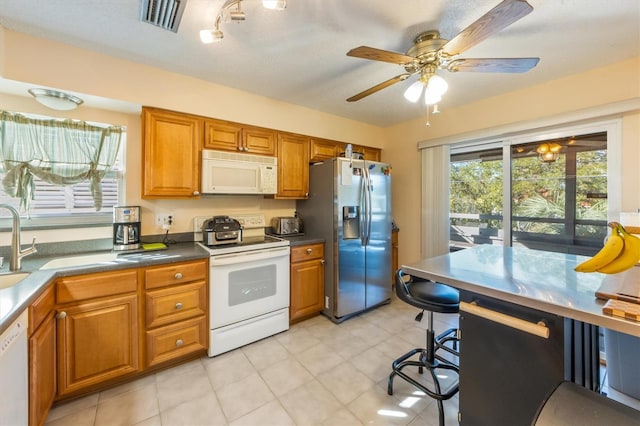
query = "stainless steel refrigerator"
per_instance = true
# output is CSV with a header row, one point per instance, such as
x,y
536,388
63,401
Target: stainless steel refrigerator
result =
x,y
349,206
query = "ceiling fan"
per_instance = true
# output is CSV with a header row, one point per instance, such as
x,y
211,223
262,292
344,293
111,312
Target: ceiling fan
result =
x,y
430,52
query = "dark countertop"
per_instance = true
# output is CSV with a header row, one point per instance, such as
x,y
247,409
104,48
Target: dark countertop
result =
x,y
300,240
15,299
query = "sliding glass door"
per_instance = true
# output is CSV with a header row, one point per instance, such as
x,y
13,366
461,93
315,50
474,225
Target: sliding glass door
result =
x,y
541,191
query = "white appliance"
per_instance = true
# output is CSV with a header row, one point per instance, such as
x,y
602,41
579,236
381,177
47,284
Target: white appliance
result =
x,y
231,173
248,286
14,374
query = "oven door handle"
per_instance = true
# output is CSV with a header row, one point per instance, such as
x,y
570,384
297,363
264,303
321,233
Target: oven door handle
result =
x,y
233,258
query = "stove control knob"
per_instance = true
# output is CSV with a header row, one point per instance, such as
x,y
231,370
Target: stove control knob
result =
x,y
178,276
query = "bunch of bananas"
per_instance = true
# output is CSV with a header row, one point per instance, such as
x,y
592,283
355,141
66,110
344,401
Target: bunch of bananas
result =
x,y
621,251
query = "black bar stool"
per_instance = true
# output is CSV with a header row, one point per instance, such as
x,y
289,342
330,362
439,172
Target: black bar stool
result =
x,y
431,297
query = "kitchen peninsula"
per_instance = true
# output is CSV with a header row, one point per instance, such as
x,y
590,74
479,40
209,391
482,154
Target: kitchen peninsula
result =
x,y
528,321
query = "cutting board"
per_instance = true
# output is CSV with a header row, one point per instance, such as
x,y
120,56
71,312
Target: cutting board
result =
x,y
619,308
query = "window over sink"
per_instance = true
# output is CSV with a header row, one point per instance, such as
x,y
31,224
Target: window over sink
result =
x,y
63,173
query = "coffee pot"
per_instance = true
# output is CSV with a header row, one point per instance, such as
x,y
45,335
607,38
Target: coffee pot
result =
x,y
126,228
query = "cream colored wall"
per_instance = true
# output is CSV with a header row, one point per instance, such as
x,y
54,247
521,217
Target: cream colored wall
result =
x,y
598,87
82,71
91,73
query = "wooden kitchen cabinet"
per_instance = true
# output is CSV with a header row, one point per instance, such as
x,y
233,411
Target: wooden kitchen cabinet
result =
x,y
176,311
322,149
172,143
97,329
293,166
370,154
42,357
307,281
394,255
229,136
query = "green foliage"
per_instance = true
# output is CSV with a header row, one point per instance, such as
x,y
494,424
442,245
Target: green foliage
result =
x,y
538,190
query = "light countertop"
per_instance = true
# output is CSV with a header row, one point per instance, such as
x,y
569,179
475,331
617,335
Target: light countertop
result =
x,y
541,280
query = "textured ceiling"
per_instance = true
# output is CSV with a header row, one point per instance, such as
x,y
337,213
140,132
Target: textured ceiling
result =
x,y
299,55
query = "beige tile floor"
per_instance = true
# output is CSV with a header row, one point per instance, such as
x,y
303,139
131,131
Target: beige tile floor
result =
x,y
316,373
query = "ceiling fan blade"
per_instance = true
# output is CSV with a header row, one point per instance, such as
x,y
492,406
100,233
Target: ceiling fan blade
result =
x,y
380,55
493,65
379,87
501,16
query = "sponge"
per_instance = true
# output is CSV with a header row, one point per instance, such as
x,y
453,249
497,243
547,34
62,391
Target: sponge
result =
x,y
154,246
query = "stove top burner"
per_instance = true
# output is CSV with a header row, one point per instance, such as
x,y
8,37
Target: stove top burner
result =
x,y
247,244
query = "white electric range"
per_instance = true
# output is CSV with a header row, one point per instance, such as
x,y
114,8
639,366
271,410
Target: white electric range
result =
x,y
248,285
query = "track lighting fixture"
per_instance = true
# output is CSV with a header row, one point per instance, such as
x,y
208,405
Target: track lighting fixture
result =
x,y
231,10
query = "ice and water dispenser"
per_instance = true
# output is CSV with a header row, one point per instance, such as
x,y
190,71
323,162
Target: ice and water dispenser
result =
x,y
350,222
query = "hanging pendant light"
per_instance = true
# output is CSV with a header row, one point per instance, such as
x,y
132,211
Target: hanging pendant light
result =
x,y
548,152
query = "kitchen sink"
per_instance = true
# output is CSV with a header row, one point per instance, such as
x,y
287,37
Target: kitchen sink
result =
x,y
9,280
65,262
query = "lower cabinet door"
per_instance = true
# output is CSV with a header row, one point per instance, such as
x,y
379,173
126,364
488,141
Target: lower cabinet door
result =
x,y
307,289
97,341
176,340
42,371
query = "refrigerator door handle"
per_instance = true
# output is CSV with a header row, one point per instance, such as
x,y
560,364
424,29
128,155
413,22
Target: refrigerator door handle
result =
x,y
368,213
363,209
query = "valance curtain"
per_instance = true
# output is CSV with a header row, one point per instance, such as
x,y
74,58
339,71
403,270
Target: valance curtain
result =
x,y
60,152
435,201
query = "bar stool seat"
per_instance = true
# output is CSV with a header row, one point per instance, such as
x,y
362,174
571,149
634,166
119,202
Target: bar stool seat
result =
x,y
431,297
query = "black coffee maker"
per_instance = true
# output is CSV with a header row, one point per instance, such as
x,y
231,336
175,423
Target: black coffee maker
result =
x,y
126,228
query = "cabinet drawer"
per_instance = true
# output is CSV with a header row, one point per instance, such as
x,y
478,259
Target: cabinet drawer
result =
x,y
176,303
82,287
42,306
308,252
176,273
176,340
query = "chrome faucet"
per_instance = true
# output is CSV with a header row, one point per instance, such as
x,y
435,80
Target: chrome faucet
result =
x,y
16,252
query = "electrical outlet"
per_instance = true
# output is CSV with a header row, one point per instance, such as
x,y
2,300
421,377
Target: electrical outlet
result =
x,y
165,221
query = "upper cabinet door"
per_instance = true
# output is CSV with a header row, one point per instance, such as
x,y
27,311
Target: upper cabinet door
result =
x,y
322,149
222,135
171,154
257,140
293,166
236,137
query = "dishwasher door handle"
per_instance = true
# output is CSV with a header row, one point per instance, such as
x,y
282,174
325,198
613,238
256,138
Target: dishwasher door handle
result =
x,y
538,329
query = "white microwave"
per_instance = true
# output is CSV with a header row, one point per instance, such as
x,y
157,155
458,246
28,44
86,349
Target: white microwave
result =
x,y
231,173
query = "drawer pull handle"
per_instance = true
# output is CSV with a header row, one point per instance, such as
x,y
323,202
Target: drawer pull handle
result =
x,y
539,329
309,251
178,305
179,342
178,276
61,315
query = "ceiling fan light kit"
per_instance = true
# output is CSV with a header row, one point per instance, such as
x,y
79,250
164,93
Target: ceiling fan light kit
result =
x,y
430,52
231,11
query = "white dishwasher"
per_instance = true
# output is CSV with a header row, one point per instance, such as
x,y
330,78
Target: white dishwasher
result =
x,y
14,374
